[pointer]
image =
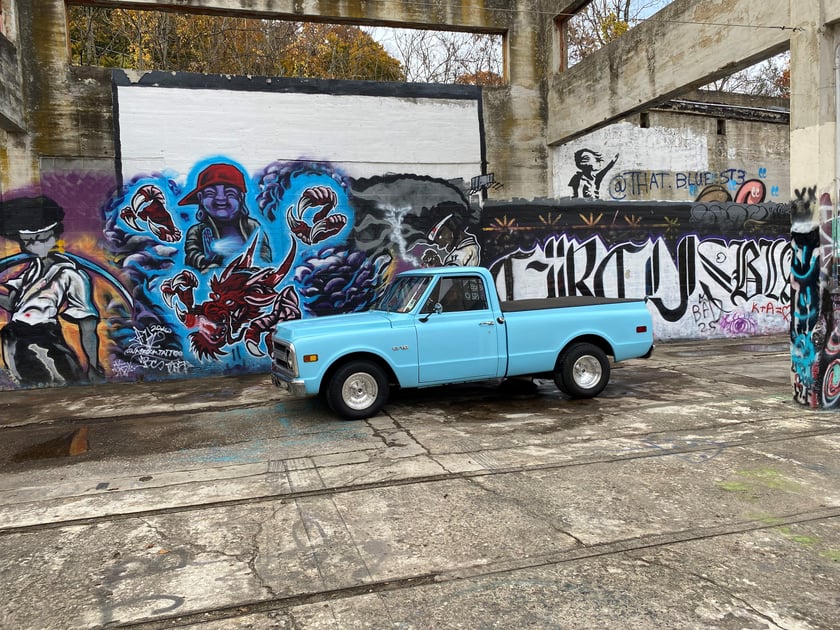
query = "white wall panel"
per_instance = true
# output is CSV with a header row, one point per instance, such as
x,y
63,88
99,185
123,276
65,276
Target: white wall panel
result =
x,y
174,128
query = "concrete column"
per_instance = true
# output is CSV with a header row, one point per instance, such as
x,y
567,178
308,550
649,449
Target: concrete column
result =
x,y
812,103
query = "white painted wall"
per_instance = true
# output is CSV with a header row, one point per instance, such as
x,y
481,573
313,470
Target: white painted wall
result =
x,y
165,129
655,150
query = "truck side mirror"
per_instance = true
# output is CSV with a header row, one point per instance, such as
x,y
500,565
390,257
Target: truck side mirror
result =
x,y
438,309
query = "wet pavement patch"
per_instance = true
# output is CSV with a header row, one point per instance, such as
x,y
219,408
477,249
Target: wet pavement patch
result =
x,y
75,443
764,347
696,353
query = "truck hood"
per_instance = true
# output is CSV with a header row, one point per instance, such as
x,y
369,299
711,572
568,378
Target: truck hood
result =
x,y
357,323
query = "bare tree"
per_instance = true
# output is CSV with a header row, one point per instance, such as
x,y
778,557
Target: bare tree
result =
x,y
770,77
602,21
445,56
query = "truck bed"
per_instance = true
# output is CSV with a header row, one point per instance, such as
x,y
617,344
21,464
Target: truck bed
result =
x,y
536,304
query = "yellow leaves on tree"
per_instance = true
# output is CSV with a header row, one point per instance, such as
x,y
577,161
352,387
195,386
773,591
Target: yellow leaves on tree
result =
x,y
333,51
157,40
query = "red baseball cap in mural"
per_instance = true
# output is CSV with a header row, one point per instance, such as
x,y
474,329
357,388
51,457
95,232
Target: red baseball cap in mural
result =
x,y
215,175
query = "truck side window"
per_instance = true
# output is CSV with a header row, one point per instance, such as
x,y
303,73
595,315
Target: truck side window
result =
x,y
462,294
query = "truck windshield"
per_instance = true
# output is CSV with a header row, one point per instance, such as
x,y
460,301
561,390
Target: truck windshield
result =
x,y
403,294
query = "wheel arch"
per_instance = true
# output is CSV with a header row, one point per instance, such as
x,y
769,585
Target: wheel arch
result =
x,y
595,340
359,356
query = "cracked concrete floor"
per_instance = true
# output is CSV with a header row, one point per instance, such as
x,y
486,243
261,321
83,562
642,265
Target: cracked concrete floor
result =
x,y
693,493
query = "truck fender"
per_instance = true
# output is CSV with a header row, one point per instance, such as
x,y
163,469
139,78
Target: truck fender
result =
x,y
337,363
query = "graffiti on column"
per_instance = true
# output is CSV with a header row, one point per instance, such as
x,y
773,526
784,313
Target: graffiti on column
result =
x,y
807,331
815,341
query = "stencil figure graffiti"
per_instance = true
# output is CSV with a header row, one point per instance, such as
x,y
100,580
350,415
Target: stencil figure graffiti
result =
x,y
587,181
51,285
244,304
223,225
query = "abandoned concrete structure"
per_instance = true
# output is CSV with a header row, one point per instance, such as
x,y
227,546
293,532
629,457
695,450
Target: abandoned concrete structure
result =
x,y
125,154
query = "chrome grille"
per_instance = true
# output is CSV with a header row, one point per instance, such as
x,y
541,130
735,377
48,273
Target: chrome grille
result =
x,y
284,358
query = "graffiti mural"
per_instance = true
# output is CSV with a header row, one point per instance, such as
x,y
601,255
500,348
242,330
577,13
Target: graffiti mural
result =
x,y
708,269
673,162
201,266
213,262
192,271
178,260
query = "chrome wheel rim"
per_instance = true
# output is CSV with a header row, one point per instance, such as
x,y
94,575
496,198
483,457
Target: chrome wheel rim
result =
x,y
587,371
359,391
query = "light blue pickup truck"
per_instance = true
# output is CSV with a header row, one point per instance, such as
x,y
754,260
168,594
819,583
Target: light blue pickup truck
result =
x,y
446,325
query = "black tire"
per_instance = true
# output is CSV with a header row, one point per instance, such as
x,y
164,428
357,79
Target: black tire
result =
x,y
584,371
357,390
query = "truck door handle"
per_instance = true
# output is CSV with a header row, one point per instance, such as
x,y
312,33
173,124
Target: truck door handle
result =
x,y
490,323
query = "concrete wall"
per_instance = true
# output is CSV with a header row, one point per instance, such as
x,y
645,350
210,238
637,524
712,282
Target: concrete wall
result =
x,y
330,208
682,150
67,116
331,217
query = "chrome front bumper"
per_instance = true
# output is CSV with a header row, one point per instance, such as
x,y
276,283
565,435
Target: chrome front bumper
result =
x,y
294,386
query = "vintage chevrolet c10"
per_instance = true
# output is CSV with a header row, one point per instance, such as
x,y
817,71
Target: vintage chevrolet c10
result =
x,y
446,325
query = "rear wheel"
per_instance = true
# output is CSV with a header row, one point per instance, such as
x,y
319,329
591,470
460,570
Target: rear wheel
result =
x,y
583,372
357,390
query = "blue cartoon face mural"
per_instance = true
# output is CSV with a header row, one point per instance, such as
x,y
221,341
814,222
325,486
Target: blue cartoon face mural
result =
x,y
215,276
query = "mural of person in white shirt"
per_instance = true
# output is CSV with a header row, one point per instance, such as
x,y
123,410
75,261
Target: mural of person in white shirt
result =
x,y
46,285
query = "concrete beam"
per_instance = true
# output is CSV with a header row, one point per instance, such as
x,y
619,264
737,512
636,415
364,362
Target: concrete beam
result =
x,y
472,15
686,45
571,7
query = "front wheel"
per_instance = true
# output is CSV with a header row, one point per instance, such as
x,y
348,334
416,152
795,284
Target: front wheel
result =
x,y
357,390
584,371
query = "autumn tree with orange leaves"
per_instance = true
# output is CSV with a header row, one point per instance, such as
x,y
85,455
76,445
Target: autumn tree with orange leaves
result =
x,y
189,42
